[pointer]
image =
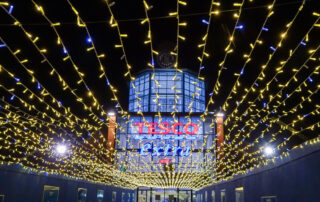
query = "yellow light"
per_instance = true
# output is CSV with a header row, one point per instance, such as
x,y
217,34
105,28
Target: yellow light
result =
x,y
182,3
215,12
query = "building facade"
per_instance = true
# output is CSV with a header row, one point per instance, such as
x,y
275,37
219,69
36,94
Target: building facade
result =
x,y
155,140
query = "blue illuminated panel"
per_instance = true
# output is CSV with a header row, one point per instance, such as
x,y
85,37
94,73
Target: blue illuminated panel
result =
x,y
189,91
143,150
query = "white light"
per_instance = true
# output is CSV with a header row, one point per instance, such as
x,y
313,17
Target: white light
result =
x,y
268,151
220,114
111,113
61,149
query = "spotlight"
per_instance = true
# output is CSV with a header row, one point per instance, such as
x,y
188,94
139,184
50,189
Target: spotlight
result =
x,y
111,114
220,114
268,151
61,149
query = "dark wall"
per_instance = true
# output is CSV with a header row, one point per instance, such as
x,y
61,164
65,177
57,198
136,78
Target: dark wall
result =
x,y
23,187
297,180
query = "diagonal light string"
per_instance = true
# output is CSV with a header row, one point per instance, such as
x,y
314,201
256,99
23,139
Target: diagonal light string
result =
x,y
274,78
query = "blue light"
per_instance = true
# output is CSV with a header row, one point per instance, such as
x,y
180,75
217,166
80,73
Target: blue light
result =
x,y
239,27
10,9
264,105
59,102
202,67
108,83
210,94
17,79
303,43
65,50
2,45
242,70
205,21
265,29
38,86
89,40
272,48
12,97
310,79
145,147
152,62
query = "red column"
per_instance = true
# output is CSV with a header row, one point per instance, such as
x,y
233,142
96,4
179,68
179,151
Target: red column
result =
x,y
220,134
111,137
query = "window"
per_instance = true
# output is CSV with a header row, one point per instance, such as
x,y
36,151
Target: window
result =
x,y
100,194
50,194
82,195
133,197
123,196
183,91
239,194
223,195
206,196
114,196
213,196
268,199
1,198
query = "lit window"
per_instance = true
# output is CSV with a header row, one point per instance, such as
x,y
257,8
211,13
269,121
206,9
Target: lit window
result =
x,y
223,195
239,194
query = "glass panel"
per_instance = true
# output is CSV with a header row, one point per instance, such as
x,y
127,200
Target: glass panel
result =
x,y
171,195
184,196
157,195
239,194
223,196
114,196
213,196
100,194
82,195
268,199
142,196
50,194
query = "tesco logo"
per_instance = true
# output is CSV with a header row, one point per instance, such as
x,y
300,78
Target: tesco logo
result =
x,y
167,127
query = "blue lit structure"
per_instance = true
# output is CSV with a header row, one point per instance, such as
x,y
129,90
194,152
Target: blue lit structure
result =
x,y
140,151
186,85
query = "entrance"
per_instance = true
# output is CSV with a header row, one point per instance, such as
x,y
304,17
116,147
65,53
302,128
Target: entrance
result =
x,y
164,195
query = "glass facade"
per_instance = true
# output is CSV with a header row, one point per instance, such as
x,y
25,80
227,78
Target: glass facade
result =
x,y
190,151
165,91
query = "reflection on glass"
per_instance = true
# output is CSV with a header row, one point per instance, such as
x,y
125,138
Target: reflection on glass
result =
x,y
223,195
213,196
123,195
184,196
100,194
142,196
239,194
114,196
50,194
82,195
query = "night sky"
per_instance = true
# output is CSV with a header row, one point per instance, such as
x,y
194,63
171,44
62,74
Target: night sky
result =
x,y
129,15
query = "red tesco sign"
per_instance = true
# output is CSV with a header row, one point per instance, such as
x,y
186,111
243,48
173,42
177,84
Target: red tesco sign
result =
x,y
166,128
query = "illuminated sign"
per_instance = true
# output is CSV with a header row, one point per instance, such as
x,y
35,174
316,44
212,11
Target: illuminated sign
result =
x,y
164,151
167,127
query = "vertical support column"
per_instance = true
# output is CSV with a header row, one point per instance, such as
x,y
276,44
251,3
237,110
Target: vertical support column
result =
x,y
111,136
220,133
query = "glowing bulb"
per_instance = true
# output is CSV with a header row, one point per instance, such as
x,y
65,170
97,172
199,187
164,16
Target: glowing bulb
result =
x,y
220,114
111,113
61,149
268,151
